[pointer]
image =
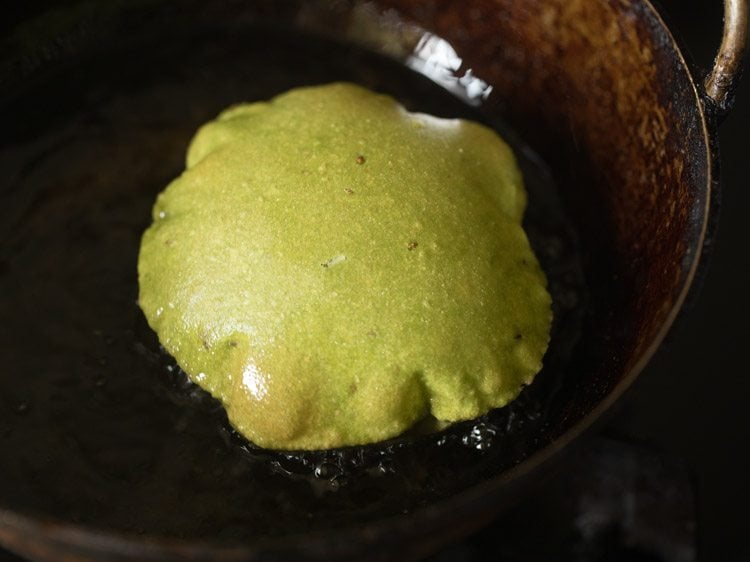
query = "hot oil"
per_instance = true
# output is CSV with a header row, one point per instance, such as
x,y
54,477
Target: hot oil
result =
x,y
97,423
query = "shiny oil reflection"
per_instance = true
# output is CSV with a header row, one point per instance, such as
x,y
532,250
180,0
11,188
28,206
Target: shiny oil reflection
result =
x,y
254,382
436,59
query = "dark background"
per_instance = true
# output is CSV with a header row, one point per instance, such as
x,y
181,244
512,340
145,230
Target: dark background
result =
x,y
691,402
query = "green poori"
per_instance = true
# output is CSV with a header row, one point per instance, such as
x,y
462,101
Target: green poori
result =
x,y
334,268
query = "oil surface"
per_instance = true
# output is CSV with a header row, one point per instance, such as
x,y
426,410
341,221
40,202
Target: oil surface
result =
x,y
97,423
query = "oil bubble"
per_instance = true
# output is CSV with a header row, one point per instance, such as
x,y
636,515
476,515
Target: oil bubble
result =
x,y
327,470
480,437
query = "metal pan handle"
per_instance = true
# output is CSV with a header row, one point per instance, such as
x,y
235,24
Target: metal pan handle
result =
x,y
727,69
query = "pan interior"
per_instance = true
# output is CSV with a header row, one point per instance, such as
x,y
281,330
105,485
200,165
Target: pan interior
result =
x,y
97,424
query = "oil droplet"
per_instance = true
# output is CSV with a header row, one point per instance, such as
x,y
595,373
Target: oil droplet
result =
x,y
480,437
386,466
327,470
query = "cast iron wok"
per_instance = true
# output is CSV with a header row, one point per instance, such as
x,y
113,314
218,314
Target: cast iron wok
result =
x,y
598,89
